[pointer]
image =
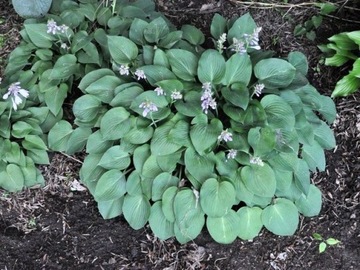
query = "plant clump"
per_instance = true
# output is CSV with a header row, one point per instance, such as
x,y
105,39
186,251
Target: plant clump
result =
x,y
176,135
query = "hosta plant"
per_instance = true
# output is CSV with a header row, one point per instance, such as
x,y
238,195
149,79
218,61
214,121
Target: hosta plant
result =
x,y
176,135
342,48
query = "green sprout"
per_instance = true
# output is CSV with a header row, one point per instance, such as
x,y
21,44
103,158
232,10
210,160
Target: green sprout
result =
x,y
325,243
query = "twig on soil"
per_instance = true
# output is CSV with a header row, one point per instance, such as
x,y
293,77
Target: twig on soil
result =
x,y
68,156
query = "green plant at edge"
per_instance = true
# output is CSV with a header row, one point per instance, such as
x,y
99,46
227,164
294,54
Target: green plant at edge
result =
x,y
176,135
342,48
325,243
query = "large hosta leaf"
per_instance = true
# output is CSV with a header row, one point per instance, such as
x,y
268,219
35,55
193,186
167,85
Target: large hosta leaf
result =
x,y
279,113
310,205
216,198
136,210
183,63
250,222
281,218
111,186
189,218
115,124
238,69
110,209
314,156
122,49
211,67
243,25
224,229
274,73
259,180
161,227
115,158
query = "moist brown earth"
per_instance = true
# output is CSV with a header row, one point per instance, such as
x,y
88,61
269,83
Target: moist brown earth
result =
x,y
56,228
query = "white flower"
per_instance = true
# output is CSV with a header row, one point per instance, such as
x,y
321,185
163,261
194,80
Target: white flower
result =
x,y
238,46
140,74
231,154
148,107
220,42
225,136
64,46
63,28
159,91
124,70
258,89
257,161
207,99
15,92
176,95
253,39
52,27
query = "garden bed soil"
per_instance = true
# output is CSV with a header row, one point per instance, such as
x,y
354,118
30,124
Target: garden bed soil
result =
x,y
56,228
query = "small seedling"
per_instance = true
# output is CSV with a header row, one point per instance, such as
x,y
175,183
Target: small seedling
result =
x,y
325,243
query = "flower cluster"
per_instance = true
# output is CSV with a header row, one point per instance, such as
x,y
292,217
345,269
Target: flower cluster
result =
x,y
231,154
159,91
140,74
15,92
175,95
238,46
253,39
54,29
124,70
148,107
258,89
220,43
257,161
225,136
207,98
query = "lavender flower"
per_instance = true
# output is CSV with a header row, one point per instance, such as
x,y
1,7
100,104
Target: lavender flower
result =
x,y
258,89
148,107
159,91
207,99
176,95
52,27
15,92
140,74
225,136
231,154
124,70
253,39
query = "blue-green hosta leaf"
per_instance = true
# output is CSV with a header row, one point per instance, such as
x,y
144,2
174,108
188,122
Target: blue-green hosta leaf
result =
x,y
327,109
324,136
136,32
14,154
284,161
93,76
225,167
115,158
250,222
151,168
314,156
242,193
274,73
192,34
204,136
125,94
304,130
283,179
302,176
299,61
279,113
211,67
110,209
281,218
139,135
141,154
104,87
29,172
189,217
218,26
168,203
191,105
346,86
310,205
86,107
293,100
161,183
238,69
59,136
115,123
64,67
136,210
77,140
90,172
39,156
97,144
5,126
161,144
259,180
170,40
200,167
183,63
160,59
12,179
133,183
122,49
111,186
156,73
243,25
156,30
55,97
160,226
216,198
292,193
262,140
169,162
32,142
224,229
39,36
238,95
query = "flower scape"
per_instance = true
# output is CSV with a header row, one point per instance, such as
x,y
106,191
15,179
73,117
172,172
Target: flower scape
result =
x,y
176,135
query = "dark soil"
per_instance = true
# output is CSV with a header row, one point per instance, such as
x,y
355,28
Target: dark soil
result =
x,y
56,228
